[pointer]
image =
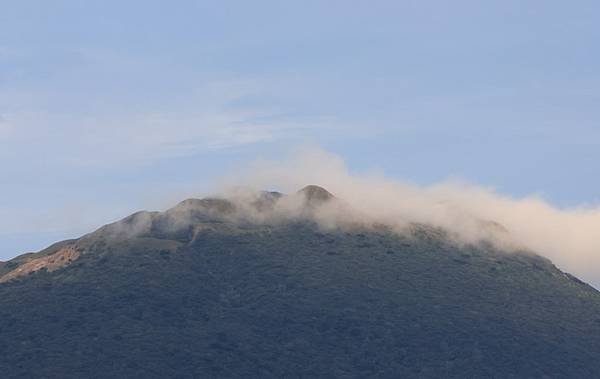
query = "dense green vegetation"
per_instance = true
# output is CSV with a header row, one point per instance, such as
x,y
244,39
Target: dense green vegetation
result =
x,y
292,300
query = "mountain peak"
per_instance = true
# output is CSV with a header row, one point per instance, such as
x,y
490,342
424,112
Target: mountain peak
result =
x,y
315,194
404,302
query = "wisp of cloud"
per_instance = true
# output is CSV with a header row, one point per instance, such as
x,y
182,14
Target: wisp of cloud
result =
x,y
569,237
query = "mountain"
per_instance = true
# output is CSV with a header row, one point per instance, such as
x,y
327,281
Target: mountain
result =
x,y
273,285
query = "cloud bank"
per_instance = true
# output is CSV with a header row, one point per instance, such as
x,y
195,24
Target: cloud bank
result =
x,y
569,237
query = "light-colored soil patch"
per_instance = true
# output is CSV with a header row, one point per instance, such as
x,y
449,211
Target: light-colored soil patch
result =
x,y
61,258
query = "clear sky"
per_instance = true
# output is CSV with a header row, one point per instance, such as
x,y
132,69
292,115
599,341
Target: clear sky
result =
x,y
107,107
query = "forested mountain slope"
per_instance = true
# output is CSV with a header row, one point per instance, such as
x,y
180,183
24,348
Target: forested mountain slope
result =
x,y
195,292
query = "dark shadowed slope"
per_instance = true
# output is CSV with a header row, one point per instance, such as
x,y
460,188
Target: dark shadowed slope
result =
x,y
197,291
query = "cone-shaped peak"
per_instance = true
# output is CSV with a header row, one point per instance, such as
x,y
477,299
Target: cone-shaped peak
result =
x,y
314,193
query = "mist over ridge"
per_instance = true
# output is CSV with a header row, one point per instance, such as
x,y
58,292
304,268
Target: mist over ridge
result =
x,y
471,213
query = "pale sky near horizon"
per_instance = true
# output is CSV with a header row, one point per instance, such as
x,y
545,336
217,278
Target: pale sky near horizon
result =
x,y
107,107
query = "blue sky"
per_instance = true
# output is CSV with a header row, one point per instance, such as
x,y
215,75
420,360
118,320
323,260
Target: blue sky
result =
x,y
107,107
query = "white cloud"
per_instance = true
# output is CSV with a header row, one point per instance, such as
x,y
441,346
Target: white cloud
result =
x,y
569,237
207,122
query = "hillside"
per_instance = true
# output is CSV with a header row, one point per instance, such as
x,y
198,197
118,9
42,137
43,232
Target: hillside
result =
x,y
205,290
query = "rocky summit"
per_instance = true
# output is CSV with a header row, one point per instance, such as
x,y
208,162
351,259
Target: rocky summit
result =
x,y
217,287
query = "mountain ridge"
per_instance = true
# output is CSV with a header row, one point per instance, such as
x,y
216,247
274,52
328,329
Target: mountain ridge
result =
x,y
211,288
